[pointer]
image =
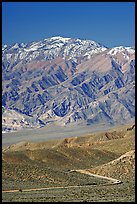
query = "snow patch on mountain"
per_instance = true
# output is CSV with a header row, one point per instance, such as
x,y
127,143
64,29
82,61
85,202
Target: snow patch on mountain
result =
x,y
121,49
64,81
50,48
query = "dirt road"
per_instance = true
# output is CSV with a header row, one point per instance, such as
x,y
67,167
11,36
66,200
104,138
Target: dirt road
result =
x,y
39,189
115,181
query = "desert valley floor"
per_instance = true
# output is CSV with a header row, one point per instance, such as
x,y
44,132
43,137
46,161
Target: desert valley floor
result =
x,y
66,169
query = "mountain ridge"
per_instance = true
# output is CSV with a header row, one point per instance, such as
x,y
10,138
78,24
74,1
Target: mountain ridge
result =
x,y
68,81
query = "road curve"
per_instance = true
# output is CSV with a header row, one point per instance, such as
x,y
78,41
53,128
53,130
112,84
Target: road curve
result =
x,y
115,181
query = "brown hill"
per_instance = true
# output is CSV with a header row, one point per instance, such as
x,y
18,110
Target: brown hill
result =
x,y
120,168
93,149
29,165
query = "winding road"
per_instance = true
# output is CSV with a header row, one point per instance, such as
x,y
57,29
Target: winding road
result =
x,y
115,181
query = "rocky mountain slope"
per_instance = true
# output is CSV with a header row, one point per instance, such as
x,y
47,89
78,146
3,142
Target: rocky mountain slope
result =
x,y
12,121
69,81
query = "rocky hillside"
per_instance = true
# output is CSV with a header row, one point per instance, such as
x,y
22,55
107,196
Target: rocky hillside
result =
x,y
100,153
122,167
65,81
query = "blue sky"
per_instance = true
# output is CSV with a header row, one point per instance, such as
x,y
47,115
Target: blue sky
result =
x,y
110,23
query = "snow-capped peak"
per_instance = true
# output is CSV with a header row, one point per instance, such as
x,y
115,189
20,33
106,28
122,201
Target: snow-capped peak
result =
x,y
4,47
57,46
59,37
15,46
120,49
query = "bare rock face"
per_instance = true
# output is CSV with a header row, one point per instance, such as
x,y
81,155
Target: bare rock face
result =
x,y
65,81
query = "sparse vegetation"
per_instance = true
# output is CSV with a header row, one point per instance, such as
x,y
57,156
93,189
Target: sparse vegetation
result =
x,y
49,164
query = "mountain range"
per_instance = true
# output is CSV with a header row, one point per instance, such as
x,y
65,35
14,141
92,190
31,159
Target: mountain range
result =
x,y
66,81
